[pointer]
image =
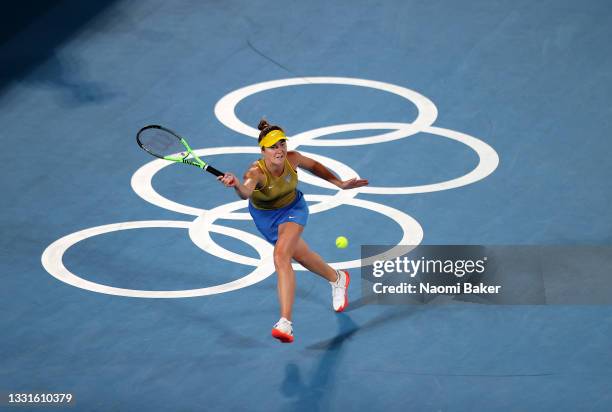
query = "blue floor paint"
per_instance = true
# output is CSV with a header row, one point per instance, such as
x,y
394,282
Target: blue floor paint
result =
x,y
532,80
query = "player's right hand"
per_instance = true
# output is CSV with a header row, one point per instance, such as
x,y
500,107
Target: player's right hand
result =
x,y
229,180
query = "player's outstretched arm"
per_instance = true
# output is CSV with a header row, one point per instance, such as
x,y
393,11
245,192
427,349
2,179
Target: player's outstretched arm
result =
x,y
323,172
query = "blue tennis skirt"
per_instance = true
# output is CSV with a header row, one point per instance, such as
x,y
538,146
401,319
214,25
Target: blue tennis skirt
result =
x,y
268,221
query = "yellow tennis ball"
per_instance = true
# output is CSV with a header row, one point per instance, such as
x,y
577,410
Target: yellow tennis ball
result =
x,y
341,242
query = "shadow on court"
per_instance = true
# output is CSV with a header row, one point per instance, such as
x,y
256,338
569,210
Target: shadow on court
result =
x,y
31,34
69,77
313,393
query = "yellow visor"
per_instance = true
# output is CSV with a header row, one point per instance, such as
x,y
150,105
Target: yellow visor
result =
x,y
272,137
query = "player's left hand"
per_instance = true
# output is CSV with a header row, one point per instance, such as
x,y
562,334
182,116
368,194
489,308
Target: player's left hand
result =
x,y
353,183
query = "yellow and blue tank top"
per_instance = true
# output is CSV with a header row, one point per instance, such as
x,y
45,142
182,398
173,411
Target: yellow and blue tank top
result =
x,y
278,191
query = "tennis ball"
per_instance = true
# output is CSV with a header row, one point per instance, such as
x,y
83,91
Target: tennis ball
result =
x,y
341,242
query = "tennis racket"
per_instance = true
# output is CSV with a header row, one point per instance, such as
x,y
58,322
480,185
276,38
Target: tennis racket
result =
x,y
166,144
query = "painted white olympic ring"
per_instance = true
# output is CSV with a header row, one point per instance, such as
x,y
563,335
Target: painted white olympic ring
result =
x,y
52,261
199,231
488,160
427,111
487,156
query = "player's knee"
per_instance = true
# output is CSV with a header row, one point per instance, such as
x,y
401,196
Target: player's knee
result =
x,y
281,256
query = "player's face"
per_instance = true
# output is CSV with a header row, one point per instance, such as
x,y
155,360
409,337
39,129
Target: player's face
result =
x,y
276,154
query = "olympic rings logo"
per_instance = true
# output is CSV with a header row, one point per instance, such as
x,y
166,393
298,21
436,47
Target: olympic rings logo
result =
x,y
199,229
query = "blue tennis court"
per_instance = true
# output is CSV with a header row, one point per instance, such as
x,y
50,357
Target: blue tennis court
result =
x,y
137,284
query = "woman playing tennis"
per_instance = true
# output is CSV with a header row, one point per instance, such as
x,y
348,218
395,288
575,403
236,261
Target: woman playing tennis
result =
x,y
280,213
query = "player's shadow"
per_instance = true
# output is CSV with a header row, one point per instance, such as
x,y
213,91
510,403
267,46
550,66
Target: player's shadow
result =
x,y
362,301
312,394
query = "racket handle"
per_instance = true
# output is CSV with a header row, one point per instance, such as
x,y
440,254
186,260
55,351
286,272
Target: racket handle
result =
x,y
212,170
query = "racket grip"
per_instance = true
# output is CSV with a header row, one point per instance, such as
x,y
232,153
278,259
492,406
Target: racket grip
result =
x,y
214,171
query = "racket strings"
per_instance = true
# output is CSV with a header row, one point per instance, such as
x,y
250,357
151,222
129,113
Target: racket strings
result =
x,y
162,143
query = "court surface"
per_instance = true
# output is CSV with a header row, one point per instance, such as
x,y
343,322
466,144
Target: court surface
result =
x,y
476,122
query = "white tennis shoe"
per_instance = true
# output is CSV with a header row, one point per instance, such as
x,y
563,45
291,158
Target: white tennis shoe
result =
x,y
283,330
340,290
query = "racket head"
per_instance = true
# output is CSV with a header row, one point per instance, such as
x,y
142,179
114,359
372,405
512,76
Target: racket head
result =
x,y
162,142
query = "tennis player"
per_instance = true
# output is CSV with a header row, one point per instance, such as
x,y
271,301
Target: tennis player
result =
x,y
280,213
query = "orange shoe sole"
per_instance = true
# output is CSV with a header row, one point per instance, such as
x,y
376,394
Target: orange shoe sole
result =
x,y
283,337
